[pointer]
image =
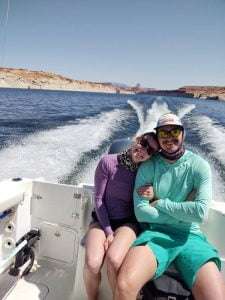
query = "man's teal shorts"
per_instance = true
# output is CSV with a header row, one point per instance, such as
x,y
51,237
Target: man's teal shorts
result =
x,y
187,251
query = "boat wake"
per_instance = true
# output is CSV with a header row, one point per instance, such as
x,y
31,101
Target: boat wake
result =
x,y
148,119
186,109
53,153
212,136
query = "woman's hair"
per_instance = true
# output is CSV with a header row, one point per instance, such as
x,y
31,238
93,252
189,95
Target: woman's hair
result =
x,y
149,141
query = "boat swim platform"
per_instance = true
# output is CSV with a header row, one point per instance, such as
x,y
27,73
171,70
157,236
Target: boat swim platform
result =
x,y
62,213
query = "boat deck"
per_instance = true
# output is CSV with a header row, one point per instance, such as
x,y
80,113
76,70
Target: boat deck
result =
x,y
49,280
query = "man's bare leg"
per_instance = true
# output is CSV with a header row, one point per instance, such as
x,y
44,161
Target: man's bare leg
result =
x,y
138,267
209,284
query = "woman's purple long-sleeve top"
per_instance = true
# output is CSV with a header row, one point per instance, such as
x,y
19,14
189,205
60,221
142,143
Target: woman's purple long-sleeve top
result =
x,y
113,191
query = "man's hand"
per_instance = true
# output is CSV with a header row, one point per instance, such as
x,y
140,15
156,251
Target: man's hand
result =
x,y
146,191
108,241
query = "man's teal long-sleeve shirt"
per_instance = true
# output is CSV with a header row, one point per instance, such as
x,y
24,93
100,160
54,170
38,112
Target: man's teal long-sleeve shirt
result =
x,y
172,183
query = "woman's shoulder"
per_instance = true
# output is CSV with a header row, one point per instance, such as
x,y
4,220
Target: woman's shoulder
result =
x,y
106,164
109,160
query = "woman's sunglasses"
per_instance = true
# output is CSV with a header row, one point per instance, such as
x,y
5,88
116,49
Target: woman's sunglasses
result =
x,y
144,143
163,133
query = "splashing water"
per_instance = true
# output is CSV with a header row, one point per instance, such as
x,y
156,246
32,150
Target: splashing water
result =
x,y
218,185
138,108
212,135
185,110
53,153
153,115
148,122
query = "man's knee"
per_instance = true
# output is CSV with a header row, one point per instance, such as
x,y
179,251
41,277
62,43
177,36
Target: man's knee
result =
x,y
124,284
209,283
114,260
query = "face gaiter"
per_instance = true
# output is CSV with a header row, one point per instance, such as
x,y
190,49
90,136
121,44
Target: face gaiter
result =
x,y
125,159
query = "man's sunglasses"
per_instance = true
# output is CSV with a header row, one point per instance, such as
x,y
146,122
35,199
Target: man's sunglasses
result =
x,y
163,133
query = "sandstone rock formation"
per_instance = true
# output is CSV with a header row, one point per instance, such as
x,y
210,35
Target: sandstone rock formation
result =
x,y
205,92
202,92
22,78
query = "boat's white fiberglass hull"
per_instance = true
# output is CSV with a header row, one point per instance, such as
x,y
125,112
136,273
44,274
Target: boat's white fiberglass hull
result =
x,y
62,214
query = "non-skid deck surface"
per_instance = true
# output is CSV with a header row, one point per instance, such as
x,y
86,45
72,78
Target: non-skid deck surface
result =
x,y
51,282
7,282
48,282
26,290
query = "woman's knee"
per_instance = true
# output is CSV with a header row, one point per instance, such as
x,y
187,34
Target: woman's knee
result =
x,y
93,263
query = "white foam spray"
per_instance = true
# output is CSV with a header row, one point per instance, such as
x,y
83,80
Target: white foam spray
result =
x,y
152,116
87,174
218,185
148,121
138,108
186,109
212,135
52,153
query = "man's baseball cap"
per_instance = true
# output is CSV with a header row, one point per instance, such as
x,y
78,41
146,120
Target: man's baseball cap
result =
x,y
169,119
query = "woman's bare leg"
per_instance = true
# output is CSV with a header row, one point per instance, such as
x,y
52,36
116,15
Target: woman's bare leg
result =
x,y
209,284
138,267
124,237
94,256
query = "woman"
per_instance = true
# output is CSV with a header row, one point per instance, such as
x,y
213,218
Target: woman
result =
x,y
114,225
173,233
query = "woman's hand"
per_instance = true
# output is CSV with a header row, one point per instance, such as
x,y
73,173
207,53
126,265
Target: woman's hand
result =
x,y
146,191
154,203
108,241
191,196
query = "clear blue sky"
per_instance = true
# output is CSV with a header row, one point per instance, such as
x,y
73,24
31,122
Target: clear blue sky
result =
x,y
157,43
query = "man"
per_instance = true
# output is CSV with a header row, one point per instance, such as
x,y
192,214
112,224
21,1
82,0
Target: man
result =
x,y
173,233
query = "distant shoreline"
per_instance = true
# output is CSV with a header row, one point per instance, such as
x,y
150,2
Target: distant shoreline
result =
x,y
62,90
40,80
194,95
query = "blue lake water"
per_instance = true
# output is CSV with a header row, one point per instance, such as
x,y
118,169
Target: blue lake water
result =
x,y
61,135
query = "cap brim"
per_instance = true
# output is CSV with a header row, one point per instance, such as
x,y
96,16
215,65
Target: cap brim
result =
x,y
177,125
